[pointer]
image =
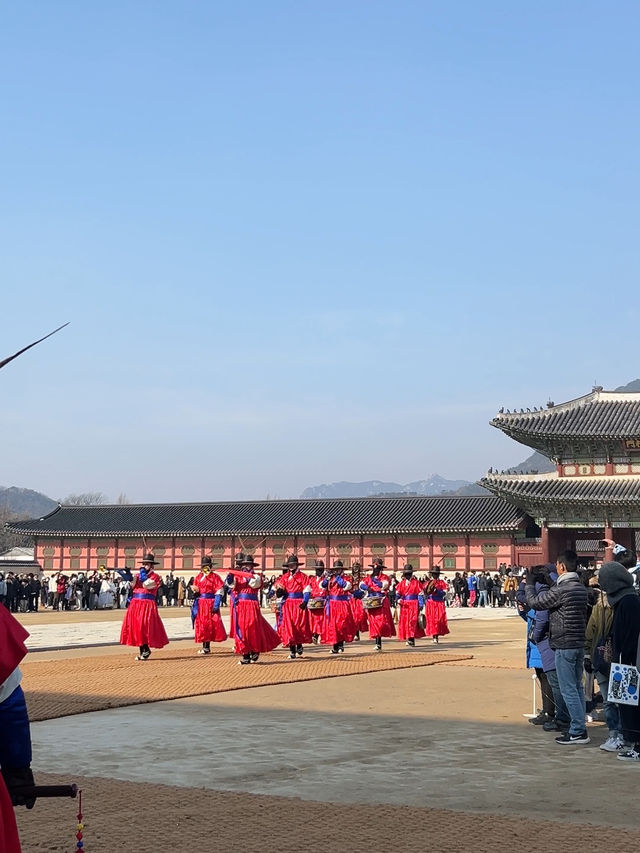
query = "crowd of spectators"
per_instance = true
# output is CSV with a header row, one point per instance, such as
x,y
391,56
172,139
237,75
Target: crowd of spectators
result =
x,y
105,589
580,622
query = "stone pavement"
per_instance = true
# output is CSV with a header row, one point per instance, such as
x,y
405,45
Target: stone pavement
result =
x,y
449,737
435,758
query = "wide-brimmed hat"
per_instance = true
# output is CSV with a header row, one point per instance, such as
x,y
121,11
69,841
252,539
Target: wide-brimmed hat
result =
x,y
378,563
292,561
407,568
338,564
206,561
318,564
149,558
246,560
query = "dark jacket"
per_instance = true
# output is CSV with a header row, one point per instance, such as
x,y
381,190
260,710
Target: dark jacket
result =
x,y
541,634
567,606
626,629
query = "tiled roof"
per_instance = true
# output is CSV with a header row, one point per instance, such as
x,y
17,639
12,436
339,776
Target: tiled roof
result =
x,y
19,567
530,489
281,517
601,414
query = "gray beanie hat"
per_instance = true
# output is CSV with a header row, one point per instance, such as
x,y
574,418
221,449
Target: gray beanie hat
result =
x,y
616,581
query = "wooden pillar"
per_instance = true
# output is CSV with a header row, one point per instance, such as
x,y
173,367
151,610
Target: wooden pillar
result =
x,y
512,551
264,555
430,552
361,552
88,553
62,554
233,551
395,554
327,553
544,540
467,553
173,553
608,534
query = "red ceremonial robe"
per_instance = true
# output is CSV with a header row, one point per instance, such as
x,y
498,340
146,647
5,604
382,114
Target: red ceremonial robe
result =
x,y
9,840
12,647
435,608
208,624
381,618
294,626
249,628
339,626
408,627
359,614
12,651
316,617
142,623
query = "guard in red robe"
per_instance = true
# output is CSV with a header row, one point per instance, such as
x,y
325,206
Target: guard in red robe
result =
x,y
339,627
435,609
317,601
142,625
250,630
376,588
410,598
294,627
15,736
357,610
205,611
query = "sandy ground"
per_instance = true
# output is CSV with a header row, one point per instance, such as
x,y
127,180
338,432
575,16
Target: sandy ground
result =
x,y
430,757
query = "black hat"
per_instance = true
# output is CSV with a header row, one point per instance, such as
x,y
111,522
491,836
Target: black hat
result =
x,y
291,561
378,563
149,558
318,564
206,561
338,564
408,568
245,560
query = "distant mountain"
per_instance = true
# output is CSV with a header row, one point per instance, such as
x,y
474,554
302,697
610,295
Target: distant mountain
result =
x,y
634,385
25,502
535,462
435,485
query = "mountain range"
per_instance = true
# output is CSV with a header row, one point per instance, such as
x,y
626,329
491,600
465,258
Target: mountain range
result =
x,y
433,485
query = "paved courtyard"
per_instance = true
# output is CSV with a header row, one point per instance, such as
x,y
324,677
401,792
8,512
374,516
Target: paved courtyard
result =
x,y
428,750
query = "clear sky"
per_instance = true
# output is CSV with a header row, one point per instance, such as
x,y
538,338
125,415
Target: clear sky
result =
x,y
301,241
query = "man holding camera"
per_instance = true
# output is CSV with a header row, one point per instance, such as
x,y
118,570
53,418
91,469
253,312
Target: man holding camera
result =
x,y
567,605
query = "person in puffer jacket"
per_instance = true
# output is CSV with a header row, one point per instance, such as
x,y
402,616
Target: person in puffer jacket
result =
x,y
541,657
567,603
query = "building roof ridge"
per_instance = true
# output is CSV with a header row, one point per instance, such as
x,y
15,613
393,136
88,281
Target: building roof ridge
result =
x,y
266,501
594,396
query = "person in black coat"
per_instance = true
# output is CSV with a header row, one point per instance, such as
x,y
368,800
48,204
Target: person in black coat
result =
x,y
617,582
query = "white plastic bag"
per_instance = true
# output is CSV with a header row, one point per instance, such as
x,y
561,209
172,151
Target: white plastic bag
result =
x,y
624,682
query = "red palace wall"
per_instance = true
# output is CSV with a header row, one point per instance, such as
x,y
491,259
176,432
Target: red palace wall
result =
x,y
182,556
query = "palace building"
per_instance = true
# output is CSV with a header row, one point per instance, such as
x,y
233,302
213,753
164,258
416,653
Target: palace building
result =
x,y
593,494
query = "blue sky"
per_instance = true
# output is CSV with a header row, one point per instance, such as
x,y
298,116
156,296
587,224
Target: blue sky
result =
x,y
301,242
